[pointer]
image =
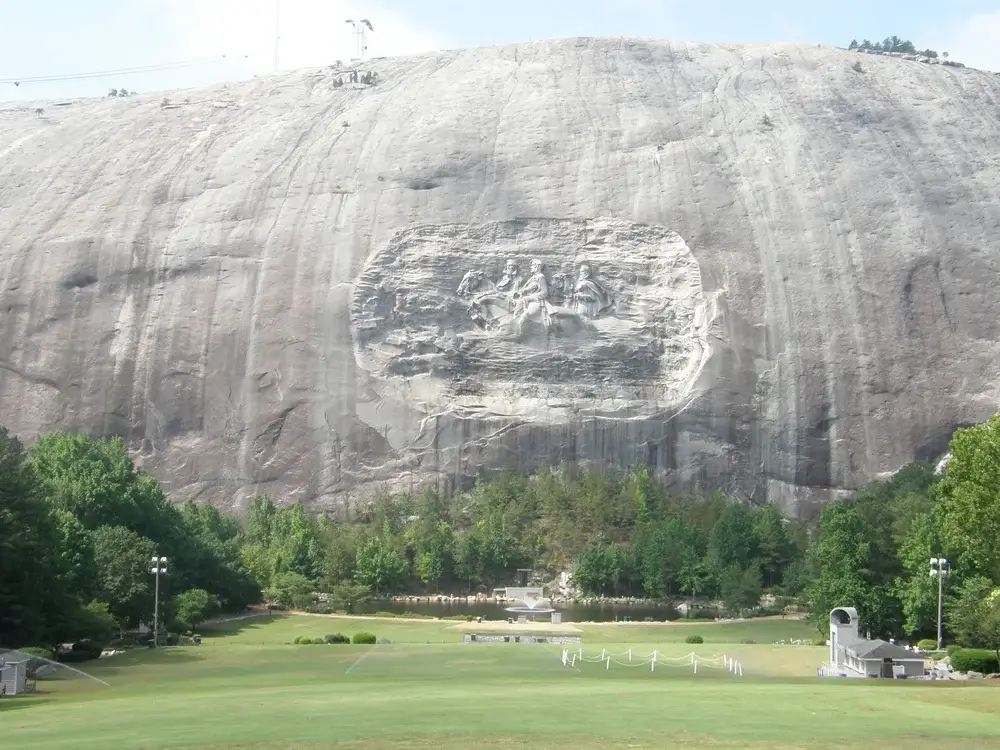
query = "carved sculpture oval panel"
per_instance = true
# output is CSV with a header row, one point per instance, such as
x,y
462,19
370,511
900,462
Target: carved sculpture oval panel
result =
x,y
538,318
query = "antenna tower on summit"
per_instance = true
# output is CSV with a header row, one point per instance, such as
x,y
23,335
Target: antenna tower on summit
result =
x,y
359,32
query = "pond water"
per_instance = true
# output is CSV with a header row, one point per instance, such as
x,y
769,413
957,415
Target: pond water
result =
x,y
570,612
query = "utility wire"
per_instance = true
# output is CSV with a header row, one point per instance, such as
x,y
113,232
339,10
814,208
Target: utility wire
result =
x,y
117,72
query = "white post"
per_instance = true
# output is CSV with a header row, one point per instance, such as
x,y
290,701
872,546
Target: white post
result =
x,y
565,657
603,654
573,663
652,663
695,662
630,656
692,657
609,663
738,664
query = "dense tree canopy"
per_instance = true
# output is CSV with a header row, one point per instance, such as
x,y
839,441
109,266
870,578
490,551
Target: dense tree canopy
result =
x,y
79,524
78,528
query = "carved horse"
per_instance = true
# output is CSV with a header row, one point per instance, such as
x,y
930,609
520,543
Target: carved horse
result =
x,y
500,311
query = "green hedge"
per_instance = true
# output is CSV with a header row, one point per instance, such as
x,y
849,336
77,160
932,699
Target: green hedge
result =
x,y
337,638
975,660
363,638
927,644
694,639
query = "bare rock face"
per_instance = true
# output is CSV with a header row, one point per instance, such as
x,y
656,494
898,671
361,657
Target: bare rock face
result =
x,y
751,268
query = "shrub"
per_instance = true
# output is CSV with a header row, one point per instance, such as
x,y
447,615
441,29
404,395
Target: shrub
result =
x,y
975,660
952,649
337,638
748,640
857,67
363,638
88,648
694,639
819,642
298,640
82,651
44,653
927,644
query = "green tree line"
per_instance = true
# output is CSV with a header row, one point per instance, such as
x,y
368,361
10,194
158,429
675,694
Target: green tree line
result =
x,y
619,534
79,525
892,44
874,550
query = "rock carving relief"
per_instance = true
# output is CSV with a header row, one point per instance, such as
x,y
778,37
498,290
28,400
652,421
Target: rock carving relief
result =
x,y
533,318
515,304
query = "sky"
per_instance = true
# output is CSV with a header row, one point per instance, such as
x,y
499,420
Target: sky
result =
x,y
210,41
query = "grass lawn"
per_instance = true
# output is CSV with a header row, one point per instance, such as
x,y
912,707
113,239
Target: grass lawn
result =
x,y
245,687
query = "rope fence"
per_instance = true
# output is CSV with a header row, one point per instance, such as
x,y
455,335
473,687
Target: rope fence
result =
x,y
652,660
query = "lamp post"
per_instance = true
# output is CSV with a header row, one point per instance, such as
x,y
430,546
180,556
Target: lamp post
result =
x,y
159,569
940,569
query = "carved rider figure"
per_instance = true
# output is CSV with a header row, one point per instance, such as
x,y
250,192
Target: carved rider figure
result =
x,y
589,297
510,282
533,298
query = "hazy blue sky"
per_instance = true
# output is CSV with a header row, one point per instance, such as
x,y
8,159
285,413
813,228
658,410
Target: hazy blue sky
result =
x,y
60,37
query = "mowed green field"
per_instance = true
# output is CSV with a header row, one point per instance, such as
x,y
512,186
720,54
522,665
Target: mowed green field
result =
x,y
247,687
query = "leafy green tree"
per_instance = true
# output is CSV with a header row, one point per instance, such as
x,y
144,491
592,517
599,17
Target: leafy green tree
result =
x,y
969,499
741,588
122,561
601,570
349,594
34,596
839,564
695,576
290,591
732,540
661,551
495,548
989,627
966,612
75,550
436,556
379,566
772,543
95,623
974,616
916,590
93,479
192,607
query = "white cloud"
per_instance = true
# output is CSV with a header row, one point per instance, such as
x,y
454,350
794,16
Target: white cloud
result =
x,y
974,41
312,32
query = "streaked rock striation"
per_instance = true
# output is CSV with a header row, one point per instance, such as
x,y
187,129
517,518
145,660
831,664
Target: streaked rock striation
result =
x,y
752,268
